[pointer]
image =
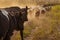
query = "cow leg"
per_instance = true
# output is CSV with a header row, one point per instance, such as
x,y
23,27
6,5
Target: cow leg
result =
x,y
21,33
8,35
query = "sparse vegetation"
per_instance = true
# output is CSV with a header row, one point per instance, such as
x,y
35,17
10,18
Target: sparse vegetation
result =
x,y
46,27
49,26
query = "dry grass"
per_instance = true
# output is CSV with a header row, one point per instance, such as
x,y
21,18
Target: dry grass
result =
x,y
48,26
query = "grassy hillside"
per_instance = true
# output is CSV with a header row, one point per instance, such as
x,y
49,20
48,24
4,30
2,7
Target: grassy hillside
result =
x,y
47,27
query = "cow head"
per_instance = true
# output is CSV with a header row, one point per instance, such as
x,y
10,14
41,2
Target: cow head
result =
x,y
24,14
21,18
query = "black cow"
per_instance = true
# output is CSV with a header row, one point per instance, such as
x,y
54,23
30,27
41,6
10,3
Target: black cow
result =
x,y
17,17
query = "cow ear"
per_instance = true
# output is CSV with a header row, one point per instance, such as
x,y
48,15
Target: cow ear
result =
x,y
26,7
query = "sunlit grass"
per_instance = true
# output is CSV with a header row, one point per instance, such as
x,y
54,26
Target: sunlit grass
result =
x,y
49,27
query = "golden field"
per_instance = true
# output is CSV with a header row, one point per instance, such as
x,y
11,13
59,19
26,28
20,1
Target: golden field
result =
x,y
44,27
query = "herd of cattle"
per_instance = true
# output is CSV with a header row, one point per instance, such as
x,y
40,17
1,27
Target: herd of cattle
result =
x,y
13,18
